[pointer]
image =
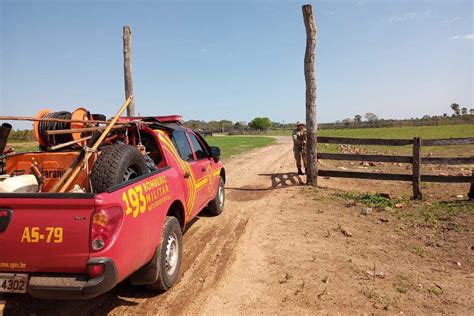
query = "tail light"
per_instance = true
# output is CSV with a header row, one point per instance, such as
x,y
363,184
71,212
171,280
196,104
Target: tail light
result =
x,y
5,217
95,270
105,224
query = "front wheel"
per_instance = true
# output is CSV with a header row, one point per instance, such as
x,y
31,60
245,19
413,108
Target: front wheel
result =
x,y
171,252
216,206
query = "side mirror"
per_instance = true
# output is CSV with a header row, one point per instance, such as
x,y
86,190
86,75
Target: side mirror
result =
x,y
215,153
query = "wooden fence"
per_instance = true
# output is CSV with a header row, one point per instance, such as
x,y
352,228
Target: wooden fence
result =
x,y
415,160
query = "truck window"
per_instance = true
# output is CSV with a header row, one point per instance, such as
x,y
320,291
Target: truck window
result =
x,y
199,150
181,143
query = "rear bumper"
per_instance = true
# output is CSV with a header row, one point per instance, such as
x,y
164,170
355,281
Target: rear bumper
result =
x,y
73,286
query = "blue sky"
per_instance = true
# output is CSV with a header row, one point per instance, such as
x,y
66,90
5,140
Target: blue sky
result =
x,y
213,60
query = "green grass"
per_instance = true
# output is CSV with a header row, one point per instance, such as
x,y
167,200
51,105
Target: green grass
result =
x,y
445,215
373,200
425,132
234,145
24,146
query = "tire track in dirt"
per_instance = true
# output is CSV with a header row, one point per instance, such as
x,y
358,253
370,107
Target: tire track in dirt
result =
x,y
210,241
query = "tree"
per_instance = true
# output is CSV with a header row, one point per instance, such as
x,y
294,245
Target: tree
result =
x,y
464,111
455,108
426,117
347,121
445,115
358,118
225,125
371,117
471,111
260,123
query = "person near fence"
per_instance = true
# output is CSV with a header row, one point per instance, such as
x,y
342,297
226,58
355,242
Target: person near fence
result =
x,y
299,146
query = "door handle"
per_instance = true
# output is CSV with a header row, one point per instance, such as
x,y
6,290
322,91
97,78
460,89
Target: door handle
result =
x,y
186,175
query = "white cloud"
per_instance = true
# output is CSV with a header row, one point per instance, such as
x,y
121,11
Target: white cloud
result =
x,y
455,19
403,17
203,50
468,37
362,2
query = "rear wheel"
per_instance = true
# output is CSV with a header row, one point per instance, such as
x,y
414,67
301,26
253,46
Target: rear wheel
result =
x,y
116,164
216,206
170,252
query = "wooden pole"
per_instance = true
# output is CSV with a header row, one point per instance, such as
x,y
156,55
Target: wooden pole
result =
x,y
127,68
309,74
72,142
416,166
80,130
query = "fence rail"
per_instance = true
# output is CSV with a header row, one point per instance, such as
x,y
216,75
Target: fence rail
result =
x,y
415,160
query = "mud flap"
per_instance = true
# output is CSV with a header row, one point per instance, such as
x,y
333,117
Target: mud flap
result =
x,y
148,273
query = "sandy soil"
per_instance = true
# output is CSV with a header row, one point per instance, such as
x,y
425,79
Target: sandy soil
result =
x,y
280,247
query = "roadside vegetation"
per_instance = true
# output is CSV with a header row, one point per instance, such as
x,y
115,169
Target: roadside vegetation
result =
x,y
438,215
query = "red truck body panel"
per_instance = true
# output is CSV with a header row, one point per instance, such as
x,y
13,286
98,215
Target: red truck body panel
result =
x,y
29,242
139,235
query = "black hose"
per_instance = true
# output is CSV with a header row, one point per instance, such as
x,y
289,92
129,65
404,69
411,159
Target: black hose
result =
x,y
53,140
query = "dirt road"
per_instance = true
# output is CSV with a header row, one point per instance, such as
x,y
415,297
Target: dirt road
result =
x,y
281,247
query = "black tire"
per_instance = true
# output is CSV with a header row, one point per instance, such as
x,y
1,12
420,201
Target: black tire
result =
x,y
216,206
116,164
171,252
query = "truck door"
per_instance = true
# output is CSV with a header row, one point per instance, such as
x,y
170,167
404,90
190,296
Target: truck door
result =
x,y
202,170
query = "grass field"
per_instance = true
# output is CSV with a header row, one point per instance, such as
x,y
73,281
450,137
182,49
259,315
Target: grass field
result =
x,y
425,132
234,145
22,147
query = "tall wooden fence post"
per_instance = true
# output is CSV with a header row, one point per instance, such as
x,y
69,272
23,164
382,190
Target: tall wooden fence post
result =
x,y
127,68
416,166
309,74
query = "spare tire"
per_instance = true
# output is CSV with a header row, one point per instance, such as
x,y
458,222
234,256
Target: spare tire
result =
x,y
116,164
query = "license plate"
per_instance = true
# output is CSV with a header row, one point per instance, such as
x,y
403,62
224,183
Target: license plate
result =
x,y
13,283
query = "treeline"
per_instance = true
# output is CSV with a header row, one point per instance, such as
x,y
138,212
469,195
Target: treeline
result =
x,y
413,122
21,136
225,126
